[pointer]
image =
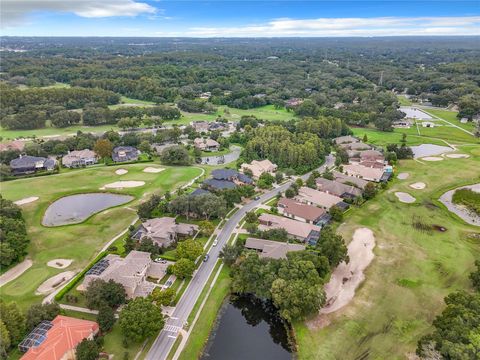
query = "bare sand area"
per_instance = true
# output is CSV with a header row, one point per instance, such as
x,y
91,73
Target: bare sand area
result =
x,y
54,282
405,197
418,185
123,184
121,171
403,176
153,170
59,263
432,158
26,200
340,290
458,156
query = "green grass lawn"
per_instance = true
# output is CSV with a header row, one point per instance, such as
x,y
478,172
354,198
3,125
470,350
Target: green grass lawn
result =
x,y
201,331
412,271
381,138
79,242
448,133
450,116
403,100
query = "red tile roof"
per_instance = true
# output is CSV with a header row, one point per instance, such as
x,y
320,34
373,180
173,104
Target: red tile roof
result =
x,y
65,335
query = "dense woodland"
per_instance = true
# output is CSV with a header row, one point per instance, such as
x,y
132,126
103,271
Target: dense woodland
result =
x,y
354,80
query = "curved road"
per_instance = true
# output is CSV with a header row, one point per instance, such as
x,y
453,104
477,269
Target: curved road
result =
x,y
165,340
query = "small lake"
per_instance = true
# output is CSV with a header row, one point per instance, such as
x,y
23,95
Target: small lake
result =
x,y
248,328
74,209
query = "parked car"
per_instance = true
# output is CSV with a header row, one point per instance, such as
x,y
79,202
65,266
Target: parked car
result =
x,y
160,261
215,242
168,283
205,259
256,198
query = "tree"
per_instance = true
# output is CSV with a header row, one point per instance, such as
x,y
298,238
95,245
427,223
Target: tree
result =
x,y
267,179
206,228
175,155
189,249
251,227
475,276
332,246
13,233
184,268
100,293
336,213
391,158
163,296
145,147
65,118
87,350
105,318
4,340
248,172
290,193
369,191
230,253
365,138
251,217
14,321
39,312
140,319
103,148
311,182
278,177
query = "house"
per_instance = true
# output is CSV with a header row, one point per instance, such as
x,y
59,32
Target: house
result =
x,y
12,145
349,180
338,189
272,249
363,172
31,164
356,146
298,211
131,272
198,192
160,147
227,179
311,196
205,95
372,155
164,231
79,158
57,339
293,102
200,126
206,144
259,167
297,230
125,153
345,140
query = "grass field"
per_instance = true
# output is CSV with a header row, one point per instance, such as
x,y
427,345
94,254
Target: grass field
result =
x,y
381,138
81,241
403,100
201,331
450,116
412,271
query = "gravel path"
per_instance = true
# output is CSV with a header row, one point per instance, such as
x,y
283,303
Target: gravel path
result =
x,y
15,271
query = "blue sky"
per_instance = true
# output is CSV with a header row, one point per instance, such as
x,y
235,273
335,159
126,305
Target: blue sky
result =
x,y
238,18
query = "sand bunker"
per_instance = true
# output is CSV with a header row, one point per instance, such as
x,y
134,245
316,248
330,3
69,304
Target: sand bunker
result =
x,y
403,176
405,197
153,170
340,290
121,171
26,200
59,263
54,282
458,156
432,158
418,185
123,184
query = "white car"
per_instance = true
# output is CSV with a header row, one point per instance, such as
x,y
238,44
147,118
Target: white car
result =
x,y
215,242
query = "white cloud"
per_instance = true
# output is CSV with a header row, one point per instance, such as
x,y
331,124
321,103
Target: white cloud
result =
x,y
15,12
379,26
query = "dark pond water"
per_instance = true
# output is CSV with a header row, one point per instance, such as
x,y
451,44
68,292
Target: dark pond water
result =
x,y
74,209
248,329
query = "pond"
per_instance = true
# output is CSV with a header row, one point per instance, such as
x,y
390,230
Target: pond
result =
x,y
223,159
461,211
248,328
74,209
429,150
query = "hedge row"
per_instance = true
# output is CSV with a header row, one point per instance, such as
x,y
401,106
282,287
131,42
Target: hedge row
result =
x,y
77,278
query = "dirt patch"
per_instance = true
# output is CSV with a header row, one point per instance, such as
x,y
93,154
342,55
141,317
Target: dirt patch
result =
x,y
26,200
123,184
432,158
346,278
418,185
59,263
403,176
121,171
458,156
153,170
54,282
405,197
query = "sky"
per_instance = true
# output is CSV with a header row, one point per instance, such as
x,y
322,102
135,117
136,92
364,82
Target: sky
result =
x,y
255,18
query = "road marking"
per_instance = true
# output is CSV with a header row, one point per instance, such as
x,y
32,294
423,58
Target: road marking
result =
x,y
174,318
172,328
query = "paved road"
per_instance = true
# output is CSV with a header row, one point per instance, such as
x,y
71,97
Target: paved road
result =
x,y
165,340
